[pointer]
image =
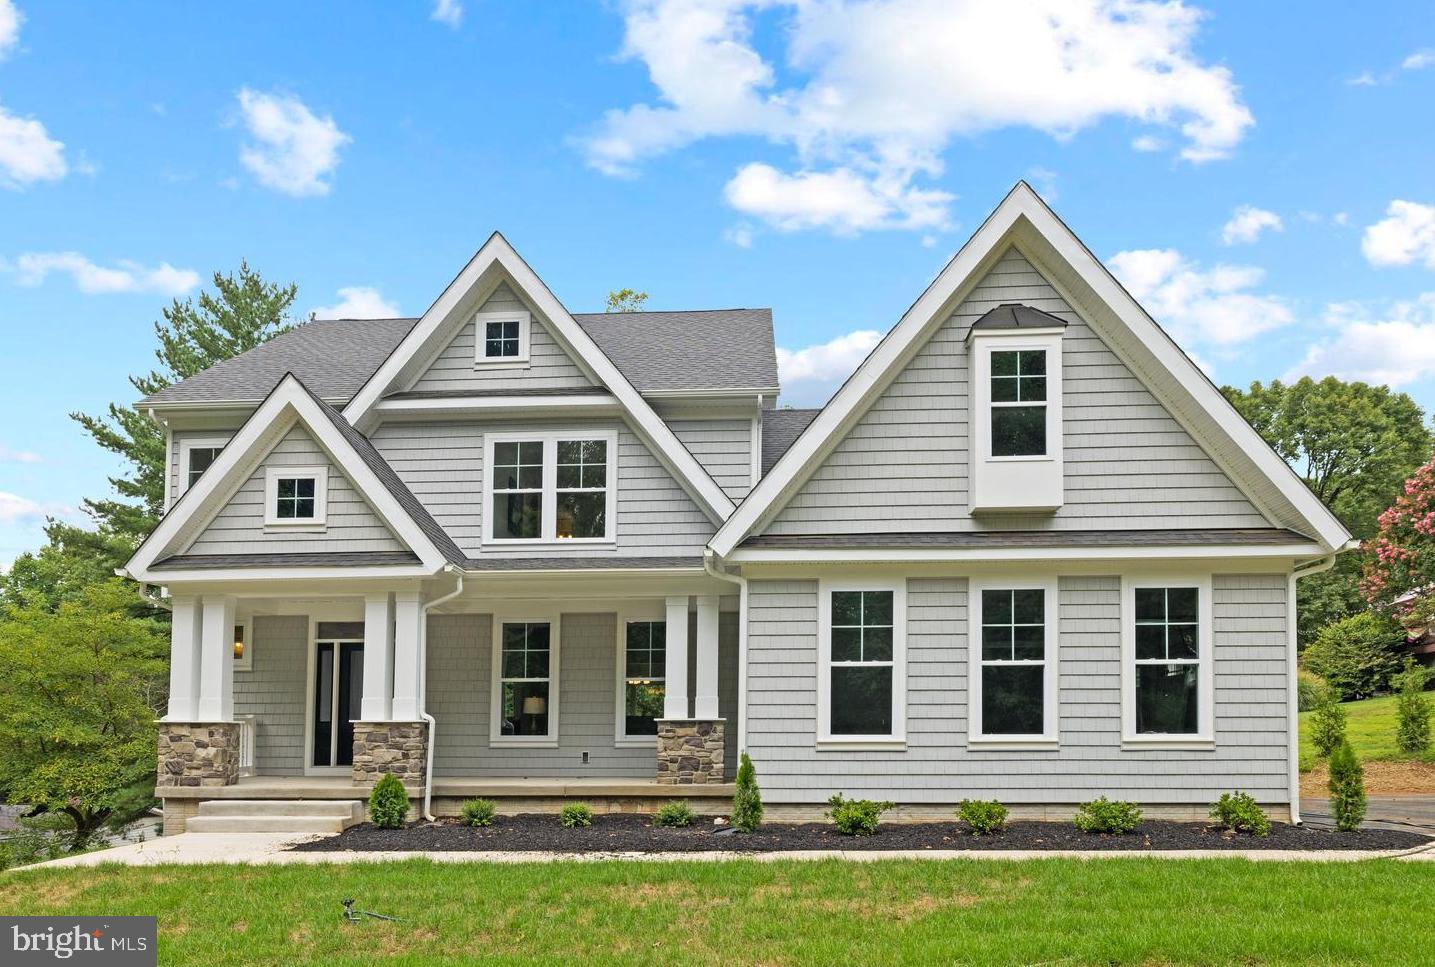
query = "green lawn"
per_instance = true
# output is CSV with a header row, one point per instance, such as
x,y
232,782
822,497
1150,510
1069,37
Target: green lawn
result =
x,y
969,911
1371,729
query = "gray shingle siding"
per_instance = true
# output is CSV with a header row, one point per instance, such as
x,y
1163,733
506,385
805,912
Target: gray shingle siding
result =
x,y
937,767
274,692
903,466
723,447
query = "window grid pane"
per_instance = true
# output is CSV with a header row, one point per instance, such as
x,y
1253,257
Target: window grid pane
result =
x,y
1168,672
500,339
200,459
1013,661
517,489
861,663
645,685
582,495
524,678
295,498
1018,403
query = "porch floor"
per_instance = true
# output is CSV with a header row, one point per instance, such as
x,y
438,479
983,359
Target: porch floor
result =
x,y
341,787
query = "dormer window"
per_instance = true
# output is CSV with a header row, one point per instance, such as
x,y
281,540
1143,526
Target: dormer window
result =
x,y
295,497
501,338
1018,403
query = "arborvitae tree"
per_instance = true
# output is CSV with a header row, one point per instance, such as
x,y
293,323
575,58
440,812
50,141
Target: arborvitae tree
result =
x,y
1347,788
746,800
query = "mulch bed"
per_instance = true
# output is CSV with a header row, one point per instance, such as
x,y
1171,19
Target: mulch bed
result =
x,y
616,833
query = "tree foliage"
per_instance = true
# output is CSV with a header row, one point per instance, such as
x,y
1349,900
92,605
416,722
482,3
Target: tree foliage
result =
x,y
1400,559
80,688
626,300
1347,788
1358,655
1412,710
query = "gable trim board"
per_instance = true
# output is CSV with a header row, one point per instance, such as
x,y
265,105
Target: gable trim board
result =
x,y
1023,221
486,271
289,405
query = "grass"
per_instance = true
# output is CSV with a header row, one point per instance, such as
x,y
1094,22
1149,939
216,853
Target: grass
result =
x,y
793,912
1371,730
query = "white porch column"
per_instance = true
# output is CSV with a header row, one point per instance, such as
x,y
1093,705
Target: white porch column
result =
x,y
675,700
184,659
216,660
705,699
407,615
377,703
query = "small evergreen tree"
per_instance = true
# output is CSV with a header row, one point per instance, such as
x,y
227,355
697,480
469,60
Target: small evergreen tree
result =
x,y
1328,722
746,801
1347,788
388,802
1412,710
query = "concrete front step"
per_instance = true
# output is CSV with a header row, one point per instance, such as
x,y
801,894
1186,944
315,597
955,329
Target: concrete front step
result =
x,y
281,807
275,816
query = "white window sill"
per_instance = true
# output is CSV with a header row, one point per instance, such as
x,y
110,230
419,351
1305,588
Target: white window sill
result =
x,y
1003,743
524,742
1192,743
505,362
1025,458
861,745
506,542
307,527
640,742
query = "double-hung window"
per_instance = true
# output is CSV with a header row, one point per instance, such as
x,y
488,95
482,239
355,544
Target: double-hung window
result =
x,y
643,685
1013,664
501,338
525,693
861,663
1017,450
196,454
295,496
1018,403
1168,661
551,487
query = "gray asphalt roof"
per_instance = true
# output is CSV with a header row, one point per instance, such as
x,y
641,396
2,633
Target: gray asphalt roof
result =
x,y
780,430
704,349
1051,538
1014,315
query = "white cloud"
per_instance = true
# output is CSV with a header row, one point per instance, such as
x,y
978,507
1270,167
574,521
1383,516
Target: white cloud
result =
x,y
1395,347
33,268
293,151
1148,143
1363,79
10,21
358,302
879,88
1421,59
810,375
1247,223
1405,235
841,200
739,235
1196,305
17,456
27,152
15,509
448,12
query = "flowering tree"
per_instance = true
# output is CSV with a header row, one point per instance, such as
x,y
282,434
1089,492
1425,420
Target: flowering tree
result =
x,y
1400,559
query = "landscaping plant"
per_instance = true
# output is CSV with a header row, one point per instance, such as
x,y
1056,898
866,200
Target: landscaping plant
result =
x,y
388,802
1358,655
674,814
576,815
1106,816
746,800
1238,811
856,817
478,812
1412,710
1309,690
1328,722
1347,788
982,816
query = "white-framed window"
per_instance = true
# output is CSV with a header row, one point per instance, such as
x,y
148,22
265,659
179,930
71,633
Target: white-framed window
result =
x,y
1018,403
195,456
862,664
1167,686
1017,451
525,680
243,647
557,487
501,338
1013,667
642,677
296,497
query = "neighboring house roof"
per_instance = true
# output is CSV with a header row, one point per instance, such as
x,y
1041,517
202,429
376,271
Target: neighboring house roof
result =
x,y
1014,315
780,429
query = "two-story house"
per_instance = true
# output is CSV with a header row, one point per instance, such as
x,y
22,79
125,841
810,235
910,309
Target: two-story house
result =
x,y
1027,552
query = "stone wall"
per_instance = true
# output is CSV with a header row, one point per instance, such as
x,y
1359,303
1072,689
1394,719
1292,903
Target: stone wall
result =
x,y
400,748
690,751
198,754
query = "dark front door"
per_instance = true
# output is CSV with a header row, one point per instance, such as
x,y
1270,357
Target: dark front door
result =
x,y
338,690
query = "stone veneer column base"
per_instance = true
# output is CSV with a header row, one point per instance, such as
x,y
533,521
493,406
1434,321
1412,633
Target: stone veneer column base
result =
x,y
198,754
690,751
397,748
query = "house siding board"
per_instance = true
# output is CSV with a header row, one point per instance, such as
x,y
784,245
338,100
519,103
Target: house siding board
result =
x,y
904,465
352,525
442,463
274,691
549,365
723,447
937,767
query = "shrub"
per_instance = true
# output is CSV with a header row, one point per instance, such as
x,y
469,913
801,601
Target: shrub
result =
x,y
575,815
1347,788
389,802
675,814
746,800
856,817
1105,816
478,812
1309,689
1238,811
1412,710
982,816
1327,725
1357,655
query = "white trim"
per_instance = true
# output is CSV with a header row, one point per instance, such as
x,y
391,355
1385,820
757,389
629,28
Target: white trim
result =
x,y
548,526
1051,668
585,403
187,444
775,555
247,662
480,339
1204,737
272,520
629,612
898,737
755,438
1014,483
496,738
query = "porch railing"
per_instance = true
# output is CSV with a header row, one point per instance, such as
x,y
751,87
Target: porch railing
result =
x,y
246,744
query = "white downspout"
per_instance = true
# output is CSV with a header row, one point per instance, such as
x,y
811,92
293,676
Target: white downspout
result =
x,y
741,582
424,685
1292,680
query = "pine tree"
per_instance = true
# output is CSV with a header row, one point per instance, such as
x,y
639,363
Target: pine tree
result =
x,y
746,800
1347,788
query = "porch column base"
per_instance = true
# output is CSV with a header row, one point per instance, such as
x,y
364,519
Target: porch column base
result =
x,y
396,748
198,754
690,751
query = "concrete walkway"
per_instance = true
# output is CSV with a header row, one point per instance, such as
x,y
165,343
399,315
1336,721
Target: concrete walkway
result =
x,y
271,848
1415,811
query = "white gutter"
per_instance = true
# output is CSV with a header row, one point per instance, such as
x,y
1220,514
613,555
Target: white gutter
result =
x,y
741,582
1292,681
424,684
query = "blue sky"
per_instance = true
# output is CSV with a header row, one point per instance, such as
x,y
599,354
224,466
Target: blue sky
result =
x,y
1263,183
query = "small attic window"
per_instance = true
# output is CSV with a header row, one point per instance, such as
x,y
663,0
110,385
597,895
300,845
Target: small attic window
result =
x,y
295,497
501,338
